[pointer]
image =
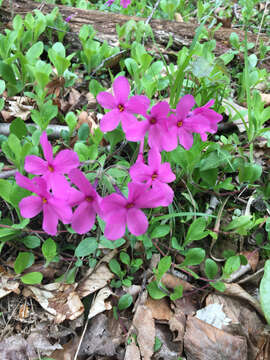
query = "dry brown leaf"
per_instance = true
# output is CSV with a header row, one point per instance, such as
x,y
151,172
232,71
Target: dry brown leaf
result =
x,y
232,109
41,344
68,351
7,283
60,300
178,323
132,351
17,348
237,291
99,304
205,342
144,323
171,281
97,280
160,308
252,258
17,106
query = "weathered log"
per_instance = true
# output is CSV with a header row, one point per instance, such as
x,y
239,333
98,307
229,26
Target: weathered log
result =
x,y
105,22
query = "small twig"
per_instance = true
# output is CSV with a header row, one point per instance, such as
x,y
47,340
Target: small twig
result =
x,y
152,13
56,129
8,173
260,27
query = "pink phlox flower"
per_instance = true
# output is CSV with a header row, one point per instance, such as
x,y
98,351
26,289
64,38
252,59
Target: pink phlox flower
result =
x,y
122,108
125,3
109,2
156,175
206,115
54,207
184,122
87,200
156,126
118,211
52,169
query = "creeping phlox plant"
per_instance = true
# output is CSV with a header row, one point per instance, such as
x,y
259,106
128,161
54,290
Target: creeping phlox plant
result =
x,y
124,3
64,193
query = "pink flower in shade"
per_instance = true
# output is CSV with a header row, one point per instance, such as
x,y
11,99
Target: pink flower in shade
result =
x,y
53,207
155,174
88,200
155,124
118,211
122,108
52,169
125,3
185,122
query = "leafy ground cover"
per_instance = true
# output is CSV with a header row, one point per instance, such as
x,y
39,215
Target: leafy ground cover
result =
x,y
134,194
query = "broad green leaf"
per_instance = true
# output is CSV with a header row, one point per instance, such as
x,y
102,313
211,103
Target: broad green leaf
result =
x,y
231,265
194,256
211,268
18,128
219,285
196,231
265,291
32,278
124,257
154,291
31,241
115,267
160,231
125,301
177,293
163,266
23,261
49,249
238,222
86,247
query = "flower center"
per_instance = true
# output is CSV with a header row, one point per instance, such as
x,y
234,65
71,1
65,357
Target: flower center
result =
x,y
50,168
154,176
44,200
153,121
129,206
89,198
121,108
179,123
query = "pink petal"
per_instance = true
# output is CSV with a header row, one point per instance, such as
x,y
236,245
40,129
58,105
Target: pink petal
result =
x,y
61,209
137,222
110,121
50,220
184,106
42,186
125,3
79,179
115,225
140,172
135,190
155,137
106,100
165,173
25,183
161,109
35,165
165,190
154,159
121,89
170,142
58,183
149,198
30,206
83,218
112,203
128,120
46,147
65,161
185,138
138,104
75,197
137,131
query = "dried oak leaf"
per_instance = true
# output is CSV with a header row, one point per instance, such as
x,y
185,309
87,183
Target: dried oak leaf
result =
x,y
132,351
99,304
144,323
7,283
205,342
160,308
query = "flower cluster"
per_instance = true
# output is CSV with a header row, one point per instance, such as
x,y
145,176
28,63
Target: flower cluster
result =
x,y
124,3
64,193
165,126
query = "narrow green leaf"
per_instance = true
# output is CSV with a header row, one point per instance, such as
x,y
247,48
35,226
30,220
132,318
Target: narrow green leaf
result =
x,y
265,291
23,261
32,278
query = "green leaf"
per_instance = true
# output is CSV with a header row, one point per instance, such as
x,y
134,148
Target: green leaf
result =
x,y
124,257
35,51
71,120
23,261
231,265
196,231
125,301
2,86
5,189
194,256
249,172
18,128
31,241
177,293
83,132
115,267
154,291
49,249
219,285
163,266
32,278
265,291
238,222
86,247
160,231
157,344
211,268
